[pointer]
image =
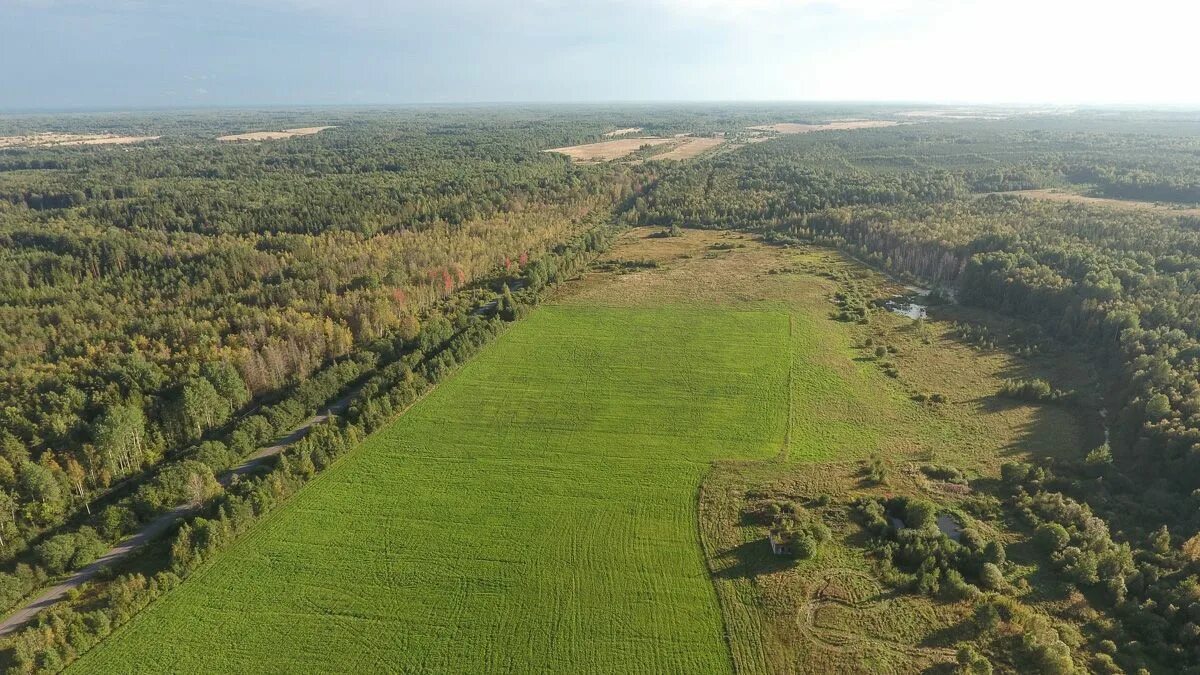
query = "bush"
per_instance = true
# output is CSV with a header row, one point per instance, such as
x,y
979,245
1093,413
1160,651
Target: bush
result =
x,y
1035,390
954,587
941,472
189,482
876,471
1051,537
919,514
12,589
991,577
215,455
88,547
971,662
56,552
116,521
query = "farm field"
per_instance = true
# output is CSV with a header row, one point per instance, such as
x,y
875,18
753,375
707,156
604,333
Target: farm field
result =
x,y
272,135
540,499
692,147
837,125
547,493
608,150
1123,204
43,140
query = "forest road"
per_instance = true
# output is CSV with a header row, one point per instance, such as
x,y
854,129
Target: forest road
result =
x,y
157,527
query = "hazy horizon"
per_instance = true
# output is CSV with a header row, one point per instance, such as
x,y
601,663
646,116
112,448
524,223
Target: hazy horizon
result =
x,y
131,54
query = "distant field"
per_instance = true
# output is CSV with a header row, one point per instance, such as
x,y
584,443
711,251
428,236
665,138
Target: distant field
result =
x,y
1127,204
691,147
273,135
55,139
842,125
622,132
607,150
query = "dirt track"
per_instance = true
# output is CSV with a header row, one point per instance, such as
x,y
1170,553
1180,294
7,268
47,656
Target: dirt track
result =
x,y
160,525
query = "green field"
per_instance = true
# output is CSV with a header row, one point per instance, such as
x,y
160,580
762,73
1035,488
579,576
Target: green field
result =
x,y
535,513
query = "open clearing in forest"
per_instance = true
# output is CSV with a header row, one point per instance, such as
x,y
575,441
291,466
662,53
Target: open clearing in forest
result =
x,y
837,125
273,135
539,510
1125,204
536,512
608,150
692,147
42,140
622,132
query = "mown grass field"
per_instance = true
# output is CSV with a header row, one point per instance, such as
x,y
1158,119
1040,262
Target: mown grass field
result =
x,y
535,513
538,512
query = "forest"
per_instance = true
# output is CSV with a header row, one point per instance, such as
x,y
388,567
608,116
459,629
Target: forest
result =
x,y
169,307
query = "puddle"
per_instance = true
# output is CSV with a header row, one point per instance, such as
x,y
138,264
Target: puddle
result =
x,y
912,310
949,526
915,301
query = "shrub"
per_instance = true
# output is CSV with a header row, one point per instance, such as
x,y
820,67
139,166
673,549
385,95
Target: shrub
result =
x,y
1052,537
941,472
1035,390
190,482
115,521
991,577
56,552
971,662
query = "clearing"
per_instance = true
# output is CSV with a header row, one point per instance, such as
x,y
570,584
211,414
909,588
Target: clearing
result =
x,y
608,150
273,135
1124,204
51,139
570,500
692,147
836,125
622,132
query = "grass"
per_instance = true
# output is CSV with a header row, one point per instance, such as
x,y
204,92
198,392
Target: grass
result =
x,y
534,513
570,500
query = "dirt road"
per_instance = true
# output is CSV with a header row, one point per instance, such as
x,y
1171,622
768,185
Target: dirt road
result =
x,y
157,527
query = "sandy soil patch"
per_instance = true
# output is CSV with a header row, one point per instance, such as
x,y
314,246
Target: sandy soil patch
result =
x,y
49,139
1123,204
690,148
622,132
273,135
837,125
607,150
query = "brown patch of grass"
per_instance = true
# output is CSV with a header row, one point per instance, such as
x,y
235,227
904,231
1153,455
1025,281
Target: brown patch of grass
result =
x,y
1121,204
837,125
55,139
272,135
607,150
693,146
621,132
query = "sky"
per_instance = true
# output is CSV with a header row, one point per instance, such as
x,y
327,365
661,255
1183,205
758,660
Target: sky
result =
x,y
91,54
